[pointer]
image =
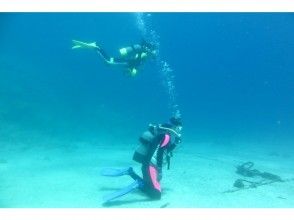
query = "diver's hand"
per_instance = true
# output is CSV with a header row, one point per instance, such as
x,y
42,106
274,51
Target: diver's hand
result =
x,y
80,45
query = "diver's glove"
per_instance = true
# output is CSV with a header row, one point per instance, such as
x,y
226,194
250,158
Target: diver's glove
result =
x,y
80,45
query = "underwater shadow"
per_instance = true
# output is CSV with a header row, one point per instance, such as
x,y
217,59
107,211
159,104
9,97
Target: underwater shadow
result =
x,y
144,198
109,189
115,189
119,203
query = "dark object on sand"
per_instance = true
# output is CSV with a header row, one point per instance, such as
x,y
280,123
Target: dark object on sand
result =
x,y
164,205
240,183
271,176
245,170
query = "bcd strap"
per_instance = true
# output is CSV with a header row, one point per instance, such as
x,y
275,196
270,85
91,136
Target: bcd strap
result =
x,y
168,156
168,161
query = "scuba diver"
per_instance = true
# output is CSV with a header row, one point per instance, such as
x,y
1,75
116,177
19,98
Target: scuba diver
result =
x,y
155,149
131,58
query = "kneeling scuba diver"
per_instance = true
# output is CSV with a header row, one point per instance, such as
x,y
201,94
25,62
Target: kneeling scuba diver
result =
x,y
155,149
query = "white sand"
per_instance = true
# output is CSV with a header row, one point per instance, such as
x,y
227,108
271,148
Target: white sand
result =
x,y
55,174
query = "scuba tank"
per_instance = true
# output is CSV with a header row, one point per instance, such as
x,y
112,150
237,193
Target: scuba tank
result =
x,y
150,137
130,51
146,140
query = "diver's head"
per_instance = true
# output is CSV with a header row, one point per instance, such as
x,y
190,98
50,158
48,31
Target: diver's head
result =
x,y
148,45
176,122
149,48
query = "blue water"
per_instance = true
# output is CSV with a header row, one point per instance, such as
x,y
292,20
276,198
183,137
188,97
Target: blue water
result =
x,y
232,75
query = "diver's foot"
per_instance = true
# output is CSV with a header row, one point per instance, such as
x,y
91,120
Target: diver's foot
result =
x,y
79,44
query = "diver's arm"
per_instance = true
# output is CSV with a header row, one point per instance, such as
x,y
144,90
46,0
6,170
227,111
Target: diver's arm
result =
x,y
159,158
159,163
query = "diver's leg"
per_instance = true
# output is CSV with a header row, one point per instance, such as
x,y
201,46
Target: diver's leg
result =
x,y
110,60
151,185
103,54
134,175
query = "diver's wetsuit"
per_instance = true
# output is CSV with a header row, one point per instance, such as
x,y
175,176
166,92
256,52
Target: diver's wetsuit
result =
x,y
162,143
132,60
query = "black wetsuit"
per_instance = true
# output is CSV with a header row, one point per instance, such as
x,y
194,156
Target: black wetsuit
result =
x,y
132,60
162,143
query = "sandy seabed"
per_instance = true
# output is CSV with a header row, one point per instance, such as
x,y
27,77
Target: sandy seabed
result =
x,y
57,174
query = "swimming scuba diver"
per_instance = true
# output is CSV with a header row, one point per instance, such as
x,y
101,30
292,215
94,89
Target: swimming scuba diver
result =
x,y
131,58
155,149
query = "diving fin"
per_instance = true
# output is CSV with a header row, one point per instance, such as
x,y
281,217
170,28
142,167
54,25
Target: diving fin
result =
x,y
80,44
115,171
135,185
